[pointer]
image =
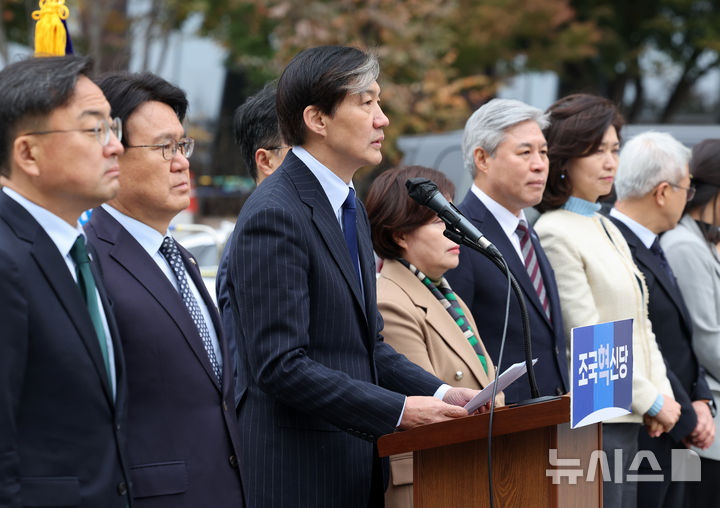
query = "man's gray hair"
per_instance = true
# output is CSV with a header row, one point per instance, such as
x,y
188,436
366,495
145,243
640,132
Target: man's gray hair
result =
x,y
364,76
487,125
647,160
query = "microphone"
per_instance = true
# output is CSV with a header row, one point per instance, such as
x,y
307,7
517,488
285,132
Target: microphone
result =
x,y
426,193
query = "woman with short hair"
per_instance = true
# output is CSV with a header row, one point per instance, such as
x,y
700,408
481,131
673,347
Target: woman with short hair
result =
x,y
424,319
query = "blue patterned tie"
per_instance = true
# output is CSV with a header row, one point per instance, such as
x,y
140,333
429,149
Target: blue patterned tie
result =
x,y
171,252
349,208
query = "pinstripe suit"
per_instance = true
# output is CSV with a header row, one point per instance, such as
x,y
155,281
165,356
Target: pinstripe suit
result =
x,y
322,385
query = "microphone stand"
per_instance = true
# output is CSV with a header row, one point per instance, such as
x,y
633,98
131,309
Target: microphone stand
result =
x,y
498,261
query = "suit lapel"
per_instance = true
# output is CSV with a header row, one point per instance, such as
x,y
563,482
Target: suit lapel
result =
x,y
485,222
644,257
53,266
194,272
436,316
129,254
312,194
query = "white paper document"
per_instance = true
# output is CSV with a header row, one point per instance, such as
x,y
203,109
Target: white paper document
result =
x,y
504,380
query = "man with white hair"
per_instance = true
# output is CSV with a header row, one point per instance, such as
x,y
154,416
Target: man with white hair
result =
x,y
652,185
505,151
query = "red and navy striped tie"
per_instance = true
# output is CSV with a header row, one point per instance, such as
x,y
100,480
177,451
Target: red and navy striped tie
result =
x,y
532,266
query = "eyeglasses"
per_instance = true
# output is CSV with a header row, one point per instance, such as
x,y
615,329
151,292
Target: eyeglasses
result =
x,y
277,147
169,149
102,131
690,190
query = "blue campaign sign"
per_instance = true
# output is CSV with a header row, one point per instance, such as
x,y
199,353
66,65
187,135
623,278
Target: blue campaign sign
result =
x,y
602,360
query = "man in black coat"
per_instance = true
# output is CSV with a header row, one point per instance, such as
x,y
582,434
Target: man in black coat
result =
x,y
653,185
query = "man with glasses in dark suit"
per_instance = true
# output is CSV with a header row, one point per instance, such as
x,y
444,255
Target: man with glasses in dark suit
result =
x,y
182,429
652,185
62,376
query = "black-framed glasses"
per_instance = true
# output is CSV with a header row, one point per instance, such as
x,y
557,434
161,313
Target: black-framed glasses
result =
x,y
169,149
690,190
102,131
277,147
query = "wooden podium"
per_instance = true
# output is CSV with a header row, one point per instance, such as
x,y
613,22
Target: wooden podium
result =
x,y
450,459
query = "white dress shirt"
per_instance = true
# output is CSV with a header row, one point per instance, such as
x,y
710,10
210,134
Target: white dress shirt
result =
x,y
646,236
508,221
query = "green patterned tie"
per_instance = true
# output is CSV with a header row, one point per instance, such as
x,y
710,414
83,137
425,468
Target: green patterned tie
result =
x,y
86,281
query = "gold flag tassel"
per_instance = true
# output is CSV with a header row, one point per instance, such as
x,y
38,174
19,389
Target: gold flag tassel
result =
x,y
50,33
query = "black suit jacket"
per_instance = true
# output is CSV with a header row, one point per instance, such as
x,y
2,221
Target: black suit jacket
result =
x,y
322,385
61,432
672,327
182,427
484,287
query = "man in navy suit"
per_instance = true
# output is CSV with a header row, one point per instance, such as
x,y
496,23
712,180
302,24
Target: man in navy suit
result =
x,y
182,428
322,385
505,151
652,185
262,149
62,375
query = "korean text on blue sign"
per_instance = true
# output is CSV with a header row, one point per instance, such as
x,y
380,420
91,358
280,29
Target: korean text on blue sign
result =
x,y
601,372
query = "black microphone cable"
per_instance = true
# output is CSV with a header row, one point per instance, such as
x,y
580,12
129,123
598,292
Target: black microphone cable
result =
x,y
497,374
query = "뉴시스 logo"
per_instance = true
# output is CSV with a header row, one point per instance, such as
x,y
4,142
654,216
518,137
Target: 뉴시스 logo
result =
x,y
685,467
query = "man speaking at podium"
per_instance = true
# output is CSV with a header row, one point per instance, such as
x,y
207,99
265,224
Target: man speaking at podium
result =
x,y
323,386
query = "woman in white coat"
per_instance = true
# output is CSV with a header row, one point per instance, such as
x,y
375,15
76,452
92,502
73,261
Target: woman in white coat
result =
x,y
596,276
692,252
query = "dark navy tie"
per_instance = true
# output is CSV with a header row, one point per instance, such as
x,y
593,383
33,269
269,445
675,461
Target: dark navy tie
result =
x,y
171,252
660,255
349,209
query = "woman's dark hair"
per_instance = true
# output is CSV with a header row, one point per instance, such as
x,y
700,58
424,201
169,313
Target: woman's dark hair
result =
x,y
577,125
391,210
705,171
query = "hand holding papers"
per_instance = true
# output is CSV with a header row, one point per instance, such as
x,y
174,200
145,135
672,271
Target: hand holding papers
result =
x,y
503,380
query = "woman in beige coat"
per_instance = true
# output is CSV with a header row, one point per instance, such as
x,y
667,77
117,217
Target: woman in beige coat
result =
x,y
424,319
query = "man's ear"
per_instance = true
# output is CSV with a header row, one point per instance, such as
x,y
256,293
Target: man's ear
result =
x,y
263,162
315,120
24,156
660,193
480,157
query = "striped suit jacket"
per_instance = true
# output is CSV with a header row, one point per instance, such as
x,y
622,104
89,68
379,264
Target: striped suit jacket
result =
x,y
322,386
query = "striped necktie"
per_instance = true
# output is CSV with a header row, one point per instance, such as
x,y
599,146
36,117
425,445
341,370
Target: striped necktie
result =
x,y
532,266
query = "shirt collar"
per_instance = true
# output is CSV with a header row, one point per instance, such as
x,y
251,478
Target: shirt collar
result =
x,y
149,238
646,236
581,206
508,221
334,187
60,232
